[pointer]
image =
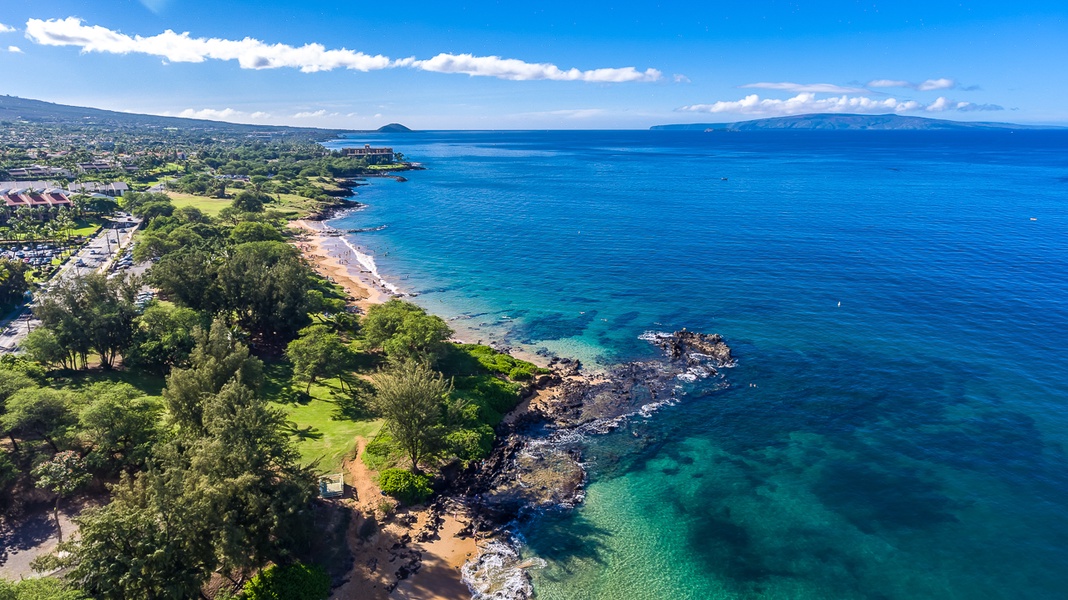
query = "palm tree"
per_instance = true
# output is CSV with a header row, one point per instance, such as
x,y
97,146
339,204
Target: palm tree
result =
x,y
79,204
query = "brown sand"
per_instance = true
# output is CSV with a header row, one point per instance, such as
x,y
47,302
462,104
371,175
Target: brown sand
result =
x,y
380,551
333,260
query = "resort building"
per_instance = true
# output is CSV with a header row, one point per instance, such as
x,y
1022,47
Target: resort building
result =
x,y
38,171
46,202
114,189
374,156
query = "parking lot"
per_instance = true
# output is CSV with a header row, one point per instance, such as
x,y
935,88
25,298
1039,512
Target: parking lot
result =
x,y
107,250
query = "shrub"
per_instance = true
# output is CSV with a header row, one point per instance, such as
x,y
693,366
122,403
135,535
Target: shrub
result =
x,y
520,374
382,452
292,582
405,486
471,444
44,588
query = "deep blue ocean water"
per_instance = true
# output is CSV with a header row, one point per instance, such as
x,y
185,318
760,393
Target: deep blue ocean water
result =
x,y
898,304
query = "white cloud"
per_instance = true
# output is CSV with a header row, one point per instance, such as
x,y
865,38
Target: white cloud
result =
x,y
808,103
310,58
580,113
798,88
225,114
313,115
942,104
680,78
211,114
518,70
942,83
938,105
6,28
14,49
180,47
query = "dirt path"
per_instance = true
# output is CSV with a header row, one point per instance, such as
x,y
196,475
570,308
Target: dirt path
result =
x,y
389,562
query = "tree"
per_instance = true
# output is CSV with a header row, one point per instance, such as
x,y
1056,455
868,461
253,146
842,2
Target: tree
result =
x,y
190,278
316,353
228,496
43,412
133,201
249,201
10,383
405,331
246,468
217,359
146,543
120,425
63,474
151,210
254,231
163,337
102,206
411,398
42,346
265,287
13,282
192,214
91,313
39,588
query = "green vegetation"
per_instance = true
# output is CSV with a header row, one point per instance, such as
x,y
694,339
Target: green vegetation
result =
x,y
413,400
408,487
44,588
291,582
405,332
208,206
209,413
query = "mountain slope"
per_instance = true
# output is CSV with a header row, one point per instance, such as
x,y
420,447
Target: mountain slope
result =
x,y
846,122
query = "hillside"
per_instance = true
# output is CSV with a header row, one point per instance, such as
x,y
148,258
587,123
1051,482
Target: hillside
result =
x,y
845,122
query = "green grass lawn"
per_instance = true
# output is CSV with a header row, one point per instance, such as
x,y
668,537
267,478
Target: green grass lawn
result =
x,y
86,227
292,205
149,383
209,206
319,426
322,431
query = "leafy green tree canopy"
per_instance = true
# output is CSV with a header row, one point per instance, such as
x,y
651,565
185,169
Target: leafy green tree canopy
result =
x,y
254,231
411,397
217,359
405,332
316,353
45,413
120,425
265,287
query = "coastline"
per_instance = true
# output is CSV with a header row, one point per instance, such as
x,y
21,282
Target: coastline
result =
x,y
428,545
348,265
332,257
464,544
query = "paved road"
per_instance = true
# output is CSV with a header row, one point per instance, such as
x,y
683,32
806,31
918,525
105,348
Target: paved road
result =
x,y
96,255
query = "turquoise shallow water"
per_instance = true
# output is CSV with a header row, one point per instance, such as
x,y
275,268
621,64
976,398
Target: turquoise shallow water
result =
x,y
908,442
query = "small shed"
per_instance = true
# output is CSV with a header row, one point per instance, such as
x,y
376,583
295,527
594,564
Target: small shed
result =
x,y
332,486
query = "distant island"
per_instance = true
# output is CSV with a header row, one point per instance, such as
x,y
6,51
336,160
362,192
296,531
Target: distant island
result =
x,y
394,128
846,122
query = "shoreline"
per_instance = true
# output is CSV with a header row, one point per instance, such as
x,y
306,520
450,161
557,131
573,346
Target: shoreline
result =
x,y
353,268
463,545
431,567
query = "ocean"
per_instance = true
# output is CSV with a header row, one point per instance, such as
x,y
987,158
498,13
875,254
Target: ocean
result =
x,y
897,302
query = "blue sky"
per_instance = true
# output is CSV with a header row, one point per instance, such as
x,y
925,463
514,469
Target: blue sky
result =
x,y
513,65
